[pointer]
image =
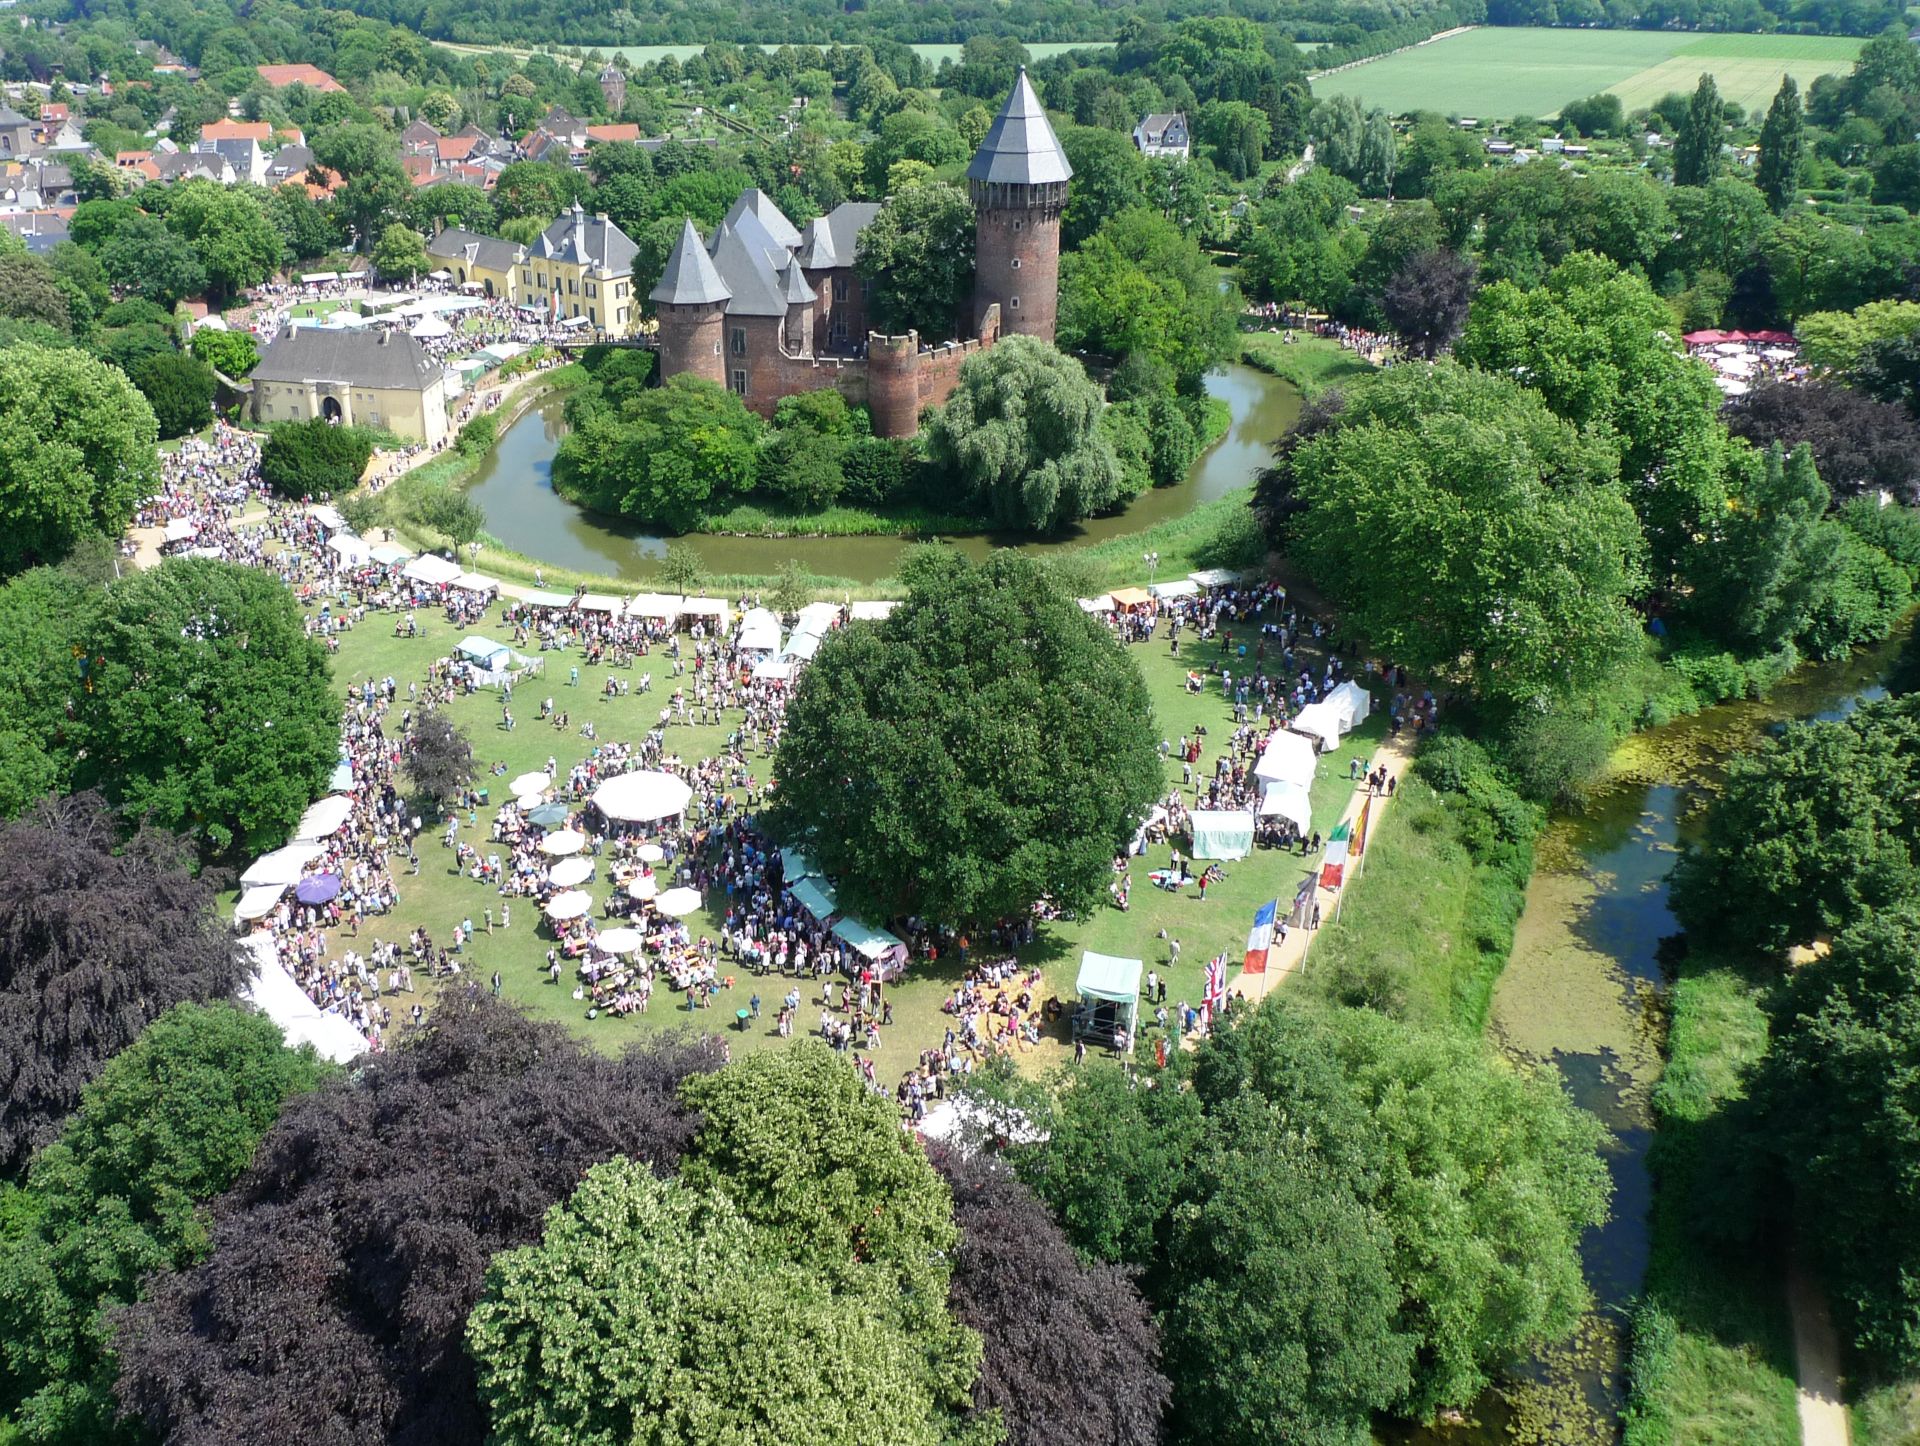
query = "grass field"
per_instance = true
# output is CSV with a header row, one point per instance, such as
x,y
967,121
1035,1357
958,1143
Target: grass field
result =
x,y
439,897
932,54
1500,72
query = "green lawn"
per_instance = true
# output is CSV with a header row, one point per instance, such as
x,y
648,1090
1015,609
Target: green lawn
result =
x,y
1498,72
1311,363
439,898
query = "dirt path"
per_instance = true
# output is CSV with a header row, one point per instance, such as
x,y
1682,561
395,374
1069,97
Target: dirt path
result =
x,y
1816,1352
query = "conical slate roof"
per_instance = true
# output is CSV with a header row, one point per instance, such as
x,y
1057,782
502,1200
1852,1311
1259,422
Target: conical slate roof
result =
x,y
758,204
793,285
690,278
1021,148
816,245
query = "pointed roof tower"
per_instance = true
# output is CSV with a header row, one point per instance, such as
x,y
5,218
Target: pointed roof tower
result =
x,y
793,285
1021,148
816,245
690,278
758,204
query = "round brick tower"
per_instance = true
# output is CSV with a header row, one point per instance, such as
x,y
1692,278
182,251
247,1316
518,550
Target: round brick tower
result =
x,y
893,384
1018,180
691,301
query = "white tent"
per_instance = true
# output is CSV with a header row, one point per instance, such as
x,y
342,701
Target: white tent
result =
x,y
431,328
474,582
180,530
1322,721
676,902
759,631
1101,604
327,517
619,941
1290,801
431,570
642,797
569,872
257,903
817,617
801,647
1214,577
282,866
389,553
1354,702
774,670
1179,587
272,991
1220,835
485,654
569,905
706,607
324,819
871,612
599,602
562,842
352,550
655,605
536,599
530,785
1289,758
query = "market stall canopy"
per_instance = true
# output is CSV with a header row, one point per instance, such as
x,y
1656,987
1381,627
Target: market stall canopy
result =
x,y
775,670
474,582
759,631
282,866
1290,801
530,783
650,853
1109,977
816,896
675,903
388,554
569,905
272,991
1354,702
642,797
431,570
431,328
1214,577
656,605
871,612
324,819
796,865
569,872
1096,605
801,647
1179,587
1322,721
342,778
1289,758
868,942
1130,597
352,550
180,530
257,903
706,607
817,617
562,842
599,602
327,517
486,652
620,941
1221,835
534,599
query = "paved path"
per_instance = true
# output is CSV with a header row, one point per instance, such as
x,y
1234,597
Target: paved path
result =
x,y
1816,1352
1288,957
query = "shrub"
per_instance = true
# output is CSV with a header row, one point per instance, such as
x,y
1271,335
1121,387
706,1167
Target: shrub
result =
x,y
314,459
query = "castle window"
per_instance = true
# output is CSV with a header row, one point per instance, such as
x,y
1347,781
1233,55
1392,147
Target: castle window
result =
x,y
1016,263
1018,224
1014,303
839,288
739,341
740,382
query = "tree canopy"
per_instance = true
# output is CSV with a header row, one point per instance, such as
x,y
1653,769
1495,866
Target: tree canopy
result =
x,y
663,455
171,1122
314,458
1141,286
1020,438
97,939
917,256
211,711
77,452
346,1260
1462,529
1006,748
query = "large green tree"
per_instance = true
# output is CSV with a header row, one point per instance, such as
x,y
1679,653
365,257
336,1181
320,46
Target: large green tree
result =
x,y
46,622
211,711
179,388
148,259
917,257
1810,832
1006,748
653,1314
1140,286
667,455
314,458
77,452
1020,440
237,244
1696,151
1781,141
1464,530
170,1123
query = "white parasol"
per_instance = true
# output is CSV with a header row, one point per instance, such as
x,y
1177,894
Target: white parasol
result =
x,y
677,902
528,785
643,888
619,941
651,853
642,797
570,905
563,841
569,872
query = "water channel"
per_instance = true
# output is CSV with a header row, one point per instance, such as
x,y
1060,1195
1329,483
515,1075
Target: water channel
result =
x,y
514,488
1582,991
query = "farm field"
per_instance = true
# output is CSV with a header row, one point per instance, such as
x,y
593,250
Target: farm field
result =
x,y
1501,72
932,54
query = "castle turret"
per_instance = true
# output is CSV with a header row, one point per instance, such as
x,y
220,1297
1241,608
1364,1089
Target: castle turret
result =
x,y
692,302
1018,180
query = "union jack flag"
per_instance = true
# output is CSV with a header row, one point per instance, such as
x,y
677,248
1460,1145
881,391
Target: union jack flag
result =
x,y
1216,988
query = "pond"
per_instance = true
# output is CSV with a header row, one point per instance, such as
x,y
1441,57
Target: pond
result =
x,y
1582,991
514,488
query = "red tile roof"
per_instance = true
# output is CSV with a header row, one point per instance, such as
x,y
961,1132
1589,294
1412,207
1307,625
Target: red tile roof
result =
x,y
613,133
310,76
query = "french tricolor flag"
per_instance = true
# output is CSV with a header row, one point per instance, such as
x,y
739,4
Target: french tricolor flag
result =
x,y
1260,937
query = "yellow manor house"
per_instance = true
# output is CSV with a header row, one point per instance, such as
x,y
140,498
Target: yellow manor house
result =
x,y
357,378
582,266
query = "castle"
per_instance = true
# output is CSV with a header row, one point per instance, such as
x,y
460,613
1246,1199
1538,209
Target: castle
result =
x,y
772,311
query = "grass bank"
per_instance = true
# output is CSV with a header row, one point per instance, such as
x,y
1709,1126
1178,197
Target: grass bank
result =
x,y
1713,1344
1311,363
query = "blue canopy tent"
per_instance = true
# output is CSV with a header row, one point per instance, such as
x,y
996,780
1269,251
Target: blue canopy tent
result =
x,y
816,897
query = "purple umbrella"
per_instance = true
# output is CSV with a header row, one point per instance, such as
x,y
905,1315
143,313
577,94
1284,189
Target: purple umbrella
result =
x,y
317,888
